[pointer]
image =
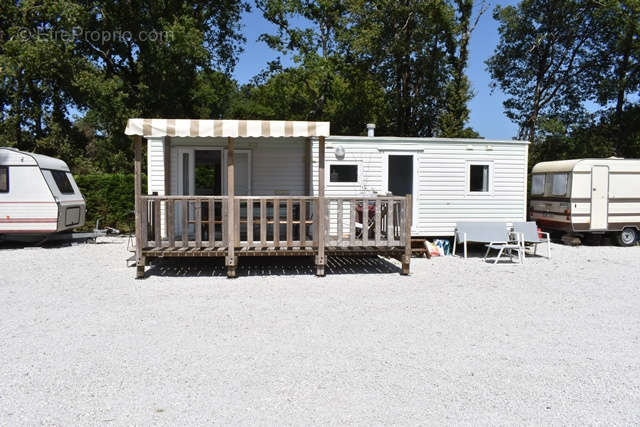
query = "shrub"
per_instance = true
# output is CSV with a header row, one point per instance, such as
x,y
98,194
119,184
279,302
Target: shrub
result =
x,y
110,198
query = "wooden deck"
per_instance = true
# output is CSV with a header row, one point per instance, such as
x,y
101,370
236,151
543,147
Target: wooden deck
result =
x,y
193,226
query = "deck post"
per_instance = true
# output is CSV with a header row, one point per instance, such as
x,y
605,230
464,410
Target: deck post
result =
x,y
320,257
406,257
140,261
307,167
231,260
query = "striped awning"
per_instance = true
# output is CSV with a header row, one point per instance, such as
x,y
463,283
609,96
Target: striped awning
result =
x,y
225,128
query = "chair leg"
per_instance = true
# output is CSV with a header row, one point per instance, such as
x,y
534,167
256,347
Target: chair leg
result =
x,y
499,255
465,249
486,254
548,248
455,241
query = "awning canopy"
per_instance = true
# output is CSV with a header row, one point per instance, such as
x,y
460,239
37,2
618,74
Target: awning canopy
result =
x,y
225,128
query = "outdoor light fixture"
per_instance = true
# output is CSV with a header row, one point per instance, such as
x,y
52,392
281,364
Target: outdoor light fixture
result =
x,y
339,152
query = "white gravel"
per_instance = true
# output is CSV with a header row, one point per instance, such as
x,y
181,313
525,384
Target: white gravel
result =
x,y
457,342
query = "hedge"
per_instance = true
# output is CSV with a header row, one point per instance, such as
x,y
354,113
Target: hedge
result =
x,y
110,198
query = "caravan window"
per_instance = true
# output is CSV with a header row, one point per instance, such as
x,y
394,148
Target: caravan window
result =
x,y
4,179
478,178
343,173
62,181
537,184
559,184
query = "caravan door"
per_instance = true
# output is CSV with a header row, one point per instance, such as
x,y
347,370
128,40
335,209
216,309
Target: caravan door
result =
x,y
599,198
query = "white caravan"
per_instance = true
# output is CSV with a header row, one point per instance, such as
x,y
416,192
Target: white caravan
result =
x,y
38,196
588,196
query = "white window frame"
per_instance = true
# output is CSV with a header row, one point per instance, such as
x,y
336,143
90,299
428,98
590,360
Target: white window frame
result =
x,y
343,163
467,180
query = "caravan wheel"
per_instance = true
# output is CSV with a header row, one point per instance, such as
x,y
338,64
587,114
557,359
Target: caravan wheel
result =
x,y
627,237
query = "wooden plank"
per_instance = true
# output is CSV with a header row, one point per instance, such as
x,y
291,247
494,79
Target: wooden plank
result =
x,y
321,261
224,225
137,141
289,223
249,222
263,222
378,216
340,220
352,222
276,222
390,212
171,231
157,223
211,206
407,232
303,222
231,243
185,223
365,222
315,214
198,224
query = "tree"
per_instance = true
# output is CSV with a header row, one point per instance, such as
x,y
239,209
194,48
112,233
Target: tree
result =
x,y
105,61
539,61
614,69
404,44
453,121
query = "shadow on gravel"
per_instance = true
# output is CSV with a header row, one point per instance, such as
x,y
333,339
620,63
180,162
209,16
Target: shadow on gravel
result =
x,y
269,266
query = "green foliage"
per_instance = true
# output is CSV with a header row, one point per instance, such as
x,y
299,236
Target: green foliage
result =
x,y
555,55
611,135
158,58
110,198
362,61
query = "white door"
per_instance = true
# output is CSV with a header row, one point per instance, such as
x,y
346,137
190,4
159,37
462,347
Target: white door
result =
x,y
599,197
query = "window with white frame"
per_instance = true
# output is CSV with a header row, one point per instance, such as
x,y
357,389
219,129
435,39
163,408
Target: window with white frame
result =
x,y
343,173
479,178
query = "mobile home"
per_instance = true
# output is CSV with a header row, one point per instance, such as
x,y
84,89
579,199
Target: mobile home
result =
x,y
588,196
250,187
38,196
450,180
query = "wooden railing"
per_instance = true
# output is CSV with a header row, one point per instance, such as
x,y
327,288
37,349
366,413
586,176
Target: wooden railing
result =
x,y
273,222
377,221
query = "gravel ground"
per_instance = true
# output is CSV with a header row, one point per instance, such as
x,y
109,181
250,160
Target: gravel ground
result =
x,y
457,342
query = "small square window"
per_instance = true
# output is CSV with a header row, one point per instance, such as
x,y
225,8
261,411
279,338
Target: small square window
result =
x,y
343,173
479,178
4,179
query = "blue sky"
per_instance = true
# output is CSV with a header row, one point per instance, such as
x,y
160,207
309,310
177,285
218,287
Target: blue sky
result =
x,y
487,115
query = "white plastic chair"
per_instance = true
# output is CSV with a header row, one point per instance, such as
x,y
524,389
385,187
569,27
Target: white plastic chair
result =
x,y
531,236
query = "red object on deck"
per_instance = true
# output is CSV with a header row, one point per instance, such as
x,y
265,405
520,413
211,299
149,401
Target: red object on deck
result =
x,y
372,212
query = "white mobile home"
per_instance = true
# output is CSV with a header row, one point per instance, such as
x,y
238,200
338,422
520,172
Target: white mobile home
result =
x,y
588,196
233,188
450,180
38,196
